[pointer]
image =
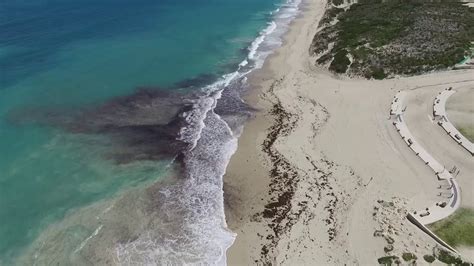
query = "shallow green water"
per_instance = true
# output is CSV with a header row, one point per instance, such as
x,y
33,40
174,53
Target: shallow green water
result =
x,y
74,53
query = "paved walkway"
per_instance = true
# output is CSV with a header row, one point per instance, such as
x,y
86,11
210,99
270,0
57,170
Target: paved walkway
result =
x,y
448,188
439,112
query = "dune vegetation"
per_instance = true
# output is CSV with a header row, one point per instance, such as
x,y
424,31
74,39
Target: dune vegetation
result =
x,y
376,39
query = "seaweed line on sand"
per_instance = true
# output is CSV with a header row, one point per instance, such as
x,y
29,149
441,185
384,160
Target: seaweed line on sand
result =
x,y
297,194
282,210
284,179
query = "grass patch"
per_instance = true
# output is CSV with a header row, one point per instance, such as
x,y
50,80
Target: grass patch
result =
x,y
458,229
467,132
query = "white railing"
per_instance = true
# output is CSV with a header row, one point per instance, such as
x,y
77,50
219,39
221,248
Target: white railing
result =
x,y
439,112
449,189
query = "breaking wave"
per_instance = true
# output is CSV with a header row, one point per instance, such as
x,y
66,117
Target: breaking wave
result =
x,y
194,125
196,203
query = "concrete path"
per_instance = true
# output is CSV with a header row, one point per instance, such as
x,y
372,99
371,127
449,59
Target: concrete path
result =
x,y
449,191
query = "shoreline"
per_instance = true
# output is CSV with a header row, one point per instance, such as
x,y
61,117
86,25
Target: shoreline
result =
x,y
293,194
216,239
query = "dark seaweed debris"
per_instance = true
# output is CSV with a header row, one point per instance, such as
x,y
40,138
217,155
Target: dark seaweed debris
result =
x,y
317,199
284,180
283,210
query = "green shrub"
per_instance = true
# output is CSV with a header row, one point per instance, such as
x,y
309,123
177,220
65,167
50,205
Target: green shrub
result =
x,y
387,260
407,256
378,73
448,258
429,258
340,62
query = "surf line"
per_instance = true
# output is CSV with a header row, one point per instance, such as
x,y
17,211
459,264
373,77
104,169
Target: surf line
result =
x,y
83,243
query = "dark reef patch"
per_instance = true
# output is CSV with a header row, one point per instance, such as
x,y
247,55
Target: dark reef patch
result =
x,y
141,126
147,124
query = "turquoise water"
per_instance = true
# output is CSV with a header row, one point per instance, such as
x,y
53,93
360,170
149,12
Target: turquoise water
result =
x,y
73,53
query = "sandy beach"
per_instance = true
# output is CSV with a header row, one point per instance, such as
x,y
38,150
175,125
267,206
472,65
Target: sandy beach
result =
x,y
320,175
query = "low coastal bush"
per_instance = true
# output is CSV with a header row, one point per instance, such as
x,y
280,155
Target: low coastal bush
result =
x,y
376,73
407,256
340,62
391,37
448,258
388,248
429,258
387,260
458,229
330,15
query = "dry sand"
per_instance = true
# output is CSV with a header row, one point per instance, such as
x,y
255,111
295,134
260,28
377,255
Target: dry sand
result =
x,y
320,175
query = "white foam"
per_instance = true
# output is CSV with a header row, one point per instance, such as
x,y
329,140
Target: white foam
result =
x,y
83,243
194,118
194,206
270,38
197,202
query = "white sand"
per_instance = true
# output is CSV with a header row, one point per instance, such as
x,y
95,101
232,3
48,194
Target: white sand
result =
x,y
333,137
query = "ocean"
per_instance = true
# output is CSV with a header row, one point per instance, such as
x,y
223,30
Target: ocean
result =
x,y
117,121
